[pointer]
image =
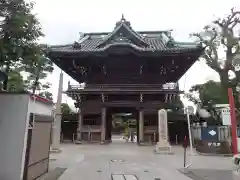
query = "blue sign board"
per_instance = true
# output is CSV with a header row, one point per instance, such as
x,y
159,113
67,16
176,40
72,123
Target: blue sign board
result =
x,y
209,133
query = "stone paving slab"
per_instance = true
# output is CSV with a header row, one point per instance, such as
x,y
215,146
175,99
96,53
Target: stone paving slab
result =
x,y
101,162
53,174
90,162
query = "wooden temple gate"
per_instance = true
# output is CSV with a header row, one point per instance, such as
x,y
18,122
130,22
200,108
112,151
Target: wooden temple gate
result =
x,y
91,129
124,69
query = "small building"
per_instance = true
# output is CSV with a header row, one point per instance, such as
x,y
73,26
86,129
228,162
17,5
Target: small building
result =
x,y
25,131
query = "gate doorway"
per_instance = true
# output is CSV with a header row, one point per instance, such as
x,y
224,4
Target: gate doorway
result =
x,y
122,124
177,130
69,127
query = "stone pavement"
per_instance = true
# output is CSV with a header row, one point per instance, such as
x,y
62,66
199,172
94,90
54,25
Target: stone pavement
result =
x,y
100,162
211,174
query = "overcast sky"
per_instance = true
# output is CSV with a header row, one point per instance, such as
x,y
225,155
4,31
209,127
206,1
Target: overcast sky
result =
x,y
62,20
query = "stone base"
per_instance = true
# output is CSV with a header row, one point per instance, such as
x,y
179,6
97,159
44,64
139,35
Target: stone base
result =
x,y
163,148
184,170
236,175
78,142
54,150
103,142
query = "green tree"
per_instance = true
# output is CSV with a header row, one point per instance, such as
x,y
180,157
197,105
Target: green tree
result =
x,y
15,82
19,32
207,94
222,35
47,95
65,108
38,69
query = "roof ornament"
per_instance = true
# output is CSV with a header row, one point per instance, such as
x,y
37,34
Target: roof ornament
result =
x,y
123,21
81,35
123,18
76,45
168,39
69,85
170,42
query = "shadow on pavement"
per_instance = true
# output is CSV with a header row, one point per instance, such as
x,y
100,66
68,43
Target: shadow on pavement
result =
x,y
209,174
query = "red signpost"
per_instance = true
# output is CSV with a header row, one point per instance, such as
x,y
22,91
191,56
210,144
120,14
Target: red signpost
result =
x,y
233,121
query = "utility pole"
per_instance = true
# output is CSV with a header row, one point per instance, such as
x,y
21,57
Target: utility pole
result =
x,y
233,121
58,118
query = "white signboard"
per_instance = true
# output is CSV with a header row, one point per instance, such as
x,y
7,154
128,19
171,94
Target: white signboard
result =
x,y
212,133
169,86
226,118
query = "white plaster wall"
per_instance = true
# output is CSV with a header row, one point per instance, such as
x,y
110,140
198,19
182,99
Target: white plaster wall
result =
x,y
40,108
13,135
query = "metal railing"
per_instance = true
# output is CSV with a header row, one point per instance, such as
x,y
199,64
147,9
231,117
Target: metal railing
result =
x,y
224,133
128,86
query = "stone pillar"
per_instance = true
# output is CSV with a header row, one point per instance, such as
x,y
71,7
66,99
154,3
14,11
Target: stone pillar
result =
x,y
141,126
163,145
103,126
56,136
79,128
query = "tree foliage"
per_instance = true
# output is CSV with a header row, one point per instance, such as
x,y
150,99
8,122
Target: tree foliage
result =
x,y
223,34
19,31
15,82
65,108
207,94
38,69
47,95
19,49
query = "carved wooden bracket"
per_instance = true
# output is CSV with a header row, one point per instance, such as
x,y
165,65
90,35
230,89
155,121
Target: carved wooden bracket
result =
x,y
103,97
141,97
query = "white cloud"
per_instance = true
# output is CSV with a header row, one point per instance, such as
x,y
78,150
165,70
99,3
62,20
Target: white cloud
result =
x,y
63,20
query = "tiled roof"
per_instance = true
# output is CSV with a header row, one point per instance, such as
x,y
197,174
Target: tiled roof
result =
x,y
41,99
124,36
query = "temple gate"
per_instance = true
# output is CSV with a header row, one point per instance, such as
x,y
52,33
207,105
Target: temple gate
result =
x,y
124,68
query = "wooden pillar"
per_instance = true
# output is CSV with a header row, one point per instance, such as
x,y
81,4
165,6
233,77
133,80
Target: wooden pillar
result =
x,y
79,129
166,98
141,126
103,125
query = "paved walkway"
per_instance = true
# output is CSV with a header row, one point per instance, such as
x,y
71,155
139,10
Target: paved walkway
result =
x,y
100,162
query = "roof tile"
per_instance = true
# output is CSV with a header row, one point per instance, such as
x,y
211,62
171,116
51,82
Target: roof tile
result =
x,y
148,41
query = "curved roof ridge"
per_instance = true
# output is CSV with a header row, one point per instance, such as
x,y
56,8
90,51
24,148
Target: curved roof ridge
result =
x,y
126,25
126,44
